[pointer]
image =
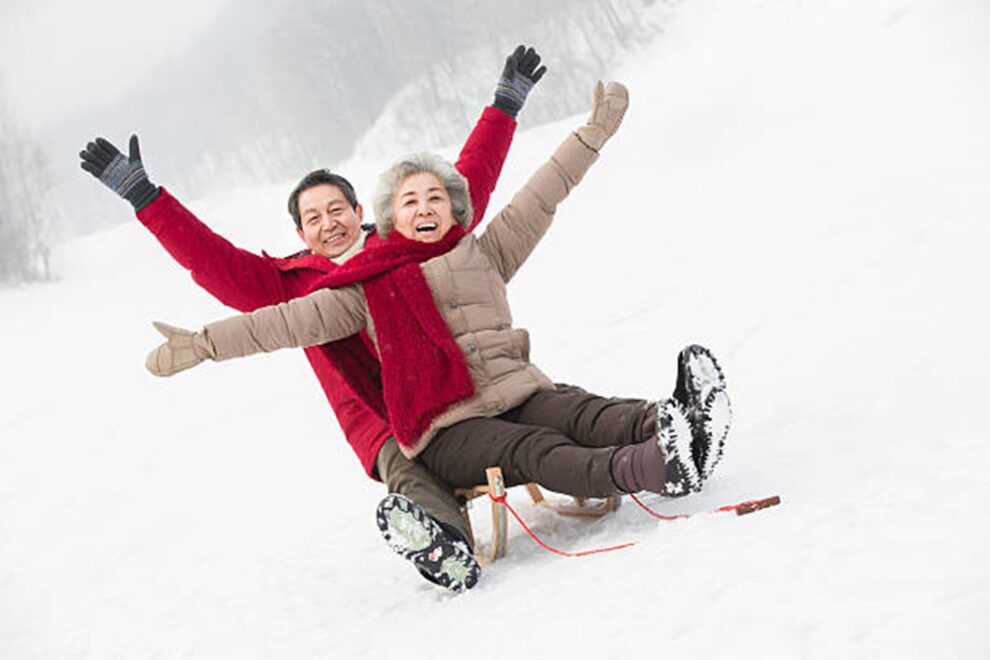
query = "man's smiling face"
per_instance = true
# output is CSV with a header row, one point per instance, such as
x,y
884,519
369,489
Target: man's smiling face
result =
x,y
330,225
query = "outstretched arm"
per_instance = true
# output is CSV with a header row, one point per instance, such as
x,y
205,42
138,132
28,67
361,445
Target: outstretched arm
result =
x,y
484,153
513,234
236,277
322,316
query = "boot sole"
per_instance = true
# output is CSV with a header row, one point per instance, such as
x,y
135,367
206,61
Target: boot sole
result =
x,y
675,440
700,372
715,422
701,390
414,535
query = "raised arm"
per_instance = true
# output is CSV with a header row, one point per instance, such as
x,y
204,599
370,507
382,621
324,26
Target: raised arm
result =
x,y
484,153
482,157
513,234
322,316
236,277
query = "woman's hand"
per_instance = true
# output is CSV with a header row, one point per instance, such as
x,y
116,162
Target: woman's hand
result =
x,y
183,350
610,106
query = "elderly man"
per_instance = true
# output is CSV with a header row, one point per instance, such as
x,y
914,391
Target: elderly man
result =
x,y
328,219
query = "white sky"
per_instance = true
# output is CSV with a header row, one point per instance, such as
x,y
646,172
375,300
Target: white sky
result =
x,y
58,56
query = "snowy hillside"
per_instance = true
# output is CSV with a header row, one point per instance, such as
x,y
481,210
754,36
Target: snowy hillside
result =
x,y
277,88
801,186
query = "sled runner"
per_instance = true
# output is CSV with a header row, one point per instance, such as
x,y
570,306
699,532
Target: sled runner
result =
x,y
496,488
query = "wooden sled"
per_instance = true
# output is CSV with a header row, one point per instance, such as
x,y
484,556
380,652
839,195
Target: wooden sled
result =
x,y
500,519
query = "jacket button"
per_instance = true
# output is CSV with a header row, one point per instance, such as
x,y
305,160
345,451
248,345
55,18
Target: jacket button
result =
x,y
472,348
500,406
453,304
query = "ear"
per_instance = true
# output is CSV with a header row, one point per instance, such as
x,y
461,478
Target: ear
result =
x,y
360,213
301,235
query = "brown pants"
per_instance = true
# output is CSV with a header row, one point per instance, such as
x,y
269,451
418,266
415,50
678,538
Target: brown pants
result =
x,y
417,483
562,439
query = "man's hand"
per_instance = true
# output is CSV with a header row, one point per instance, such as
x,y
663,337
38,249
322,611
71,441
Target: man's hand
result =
x,y
183,350
518,77
125,176
610,106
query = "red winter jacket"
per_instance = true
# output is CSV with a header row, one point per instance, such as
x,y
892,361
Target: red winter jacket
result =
x,y
246,281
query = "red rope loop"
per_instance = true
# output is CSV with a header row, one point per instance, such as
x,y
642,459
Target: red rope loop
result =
x,y
502,500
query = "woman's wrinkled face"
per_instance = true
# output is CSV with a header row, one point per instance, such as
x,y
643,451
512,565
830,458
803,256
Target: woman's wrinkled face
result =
x,y
421,207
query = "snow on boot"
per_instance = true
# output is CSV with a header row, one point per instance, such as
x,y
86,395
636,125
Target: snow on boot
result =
x,y
440,555
716,418
663,464
700,388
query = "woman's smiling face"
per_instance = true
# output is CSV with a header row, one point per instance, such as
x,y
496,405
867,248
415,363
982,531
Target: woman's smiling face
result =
x,y
421,207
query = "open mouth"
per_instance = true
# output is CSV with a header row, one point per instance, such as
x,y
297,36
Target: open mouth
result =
x,y
427,227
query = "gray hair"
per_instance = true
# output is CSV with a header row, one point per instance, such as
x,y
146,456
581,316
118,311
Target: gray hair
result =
x,y
392,178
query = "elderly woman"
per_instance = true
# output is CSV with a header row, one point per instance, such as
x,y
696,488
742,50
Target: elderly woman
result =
x,y
456,382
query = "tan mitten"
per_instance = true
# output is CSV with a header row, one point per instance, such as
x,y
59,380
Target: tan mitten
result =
x,y
610,106
184,349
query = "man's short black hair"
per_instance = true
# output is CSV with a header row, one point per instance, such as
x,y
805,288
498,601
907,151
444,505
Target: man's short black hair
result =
x,y
316,178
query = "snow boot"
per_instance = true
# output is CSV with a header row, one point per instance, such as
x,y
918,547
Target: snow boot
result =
x,y
700,389
440,554
662,464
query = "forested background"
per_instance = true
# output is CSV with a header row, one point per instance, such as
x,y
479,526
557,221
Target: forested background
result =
x,y
269,91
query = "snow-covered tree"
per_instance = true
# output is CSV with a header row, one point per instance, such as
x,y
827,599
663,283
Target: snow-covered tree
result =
x,y
24,184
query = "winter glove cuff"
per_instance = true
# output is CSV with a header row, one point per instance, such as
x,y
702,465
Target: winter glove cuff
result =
x,y
142,194
522,70
128,179
510,94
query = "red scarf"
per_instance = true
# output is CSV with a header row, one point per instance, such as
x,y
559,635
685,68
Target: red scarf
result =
x,y
423,371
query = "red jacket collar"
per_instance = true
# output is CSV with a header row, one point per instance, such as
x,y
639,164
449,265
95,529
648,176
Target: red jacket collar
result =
x,y
303,260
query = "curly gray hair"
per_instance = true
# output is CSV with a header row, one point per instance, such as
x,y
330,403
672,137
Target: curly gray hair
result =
x,y
392,178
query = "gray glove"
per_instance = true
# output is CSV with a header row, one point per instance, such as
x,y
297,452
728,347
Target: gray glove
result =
x,y
183,350
610,106
518,77
123,175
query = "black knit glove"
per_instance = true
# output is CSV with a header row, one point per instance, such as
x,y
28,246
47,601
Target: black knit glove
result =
x,y
518,77
125,176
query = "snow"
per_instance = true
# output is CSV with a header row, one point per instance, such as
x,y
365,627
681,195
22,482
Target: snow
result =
x,y
800,186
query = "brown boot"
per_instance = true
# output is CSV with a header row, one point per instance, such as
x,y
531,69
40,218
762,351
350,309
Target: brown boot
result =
x,y
662,464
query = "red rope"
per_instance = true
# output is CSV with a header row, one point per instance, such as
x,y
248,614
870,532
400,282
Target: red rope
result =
x,y
585,553
755,504
752,504
655,514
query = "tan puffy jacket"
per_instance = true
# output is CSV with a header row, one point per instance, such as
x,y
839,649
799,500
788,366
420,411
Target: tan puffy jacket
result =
x,y
468,285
